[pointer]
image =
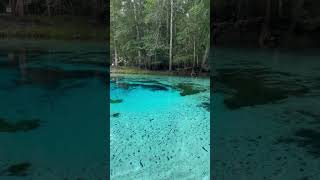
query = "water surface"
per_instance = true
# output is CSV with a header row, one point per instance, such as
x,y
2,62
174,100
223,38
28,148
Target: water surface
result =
x,y
267,118
160,127
53,111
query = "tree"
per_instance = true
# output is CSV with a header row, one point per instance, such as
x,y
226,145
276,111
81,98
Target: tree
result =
x,y
171,34
162,34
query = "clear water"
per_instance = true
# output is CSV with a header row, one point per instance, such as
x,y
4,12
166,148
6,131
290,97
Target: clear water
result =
x,y
267,118
63,85
157,133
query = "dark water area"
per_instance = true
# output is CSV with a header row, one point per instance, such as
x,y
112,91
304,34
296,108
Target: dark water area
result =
x,y
53,110
266,114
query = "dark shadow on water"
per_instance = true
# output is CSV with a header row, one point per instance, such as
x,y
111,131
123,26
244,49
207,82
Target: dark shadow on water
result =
x,y
20,169
22,125
256,86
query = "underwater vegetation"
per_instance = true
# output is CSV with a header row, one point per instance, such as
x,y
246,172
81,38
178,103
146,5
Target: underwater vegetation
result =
x,y
205,105
307,138
115,101
152,87
188,89
116,115
22,125
20,169
255,86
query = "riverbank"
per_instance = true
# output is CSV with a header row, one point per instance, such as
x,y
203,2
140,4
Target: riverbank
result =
x,y
135,70
54,27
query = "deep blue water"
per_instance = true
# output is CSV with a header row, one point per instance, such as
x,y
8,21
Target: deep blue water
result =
x,y
58,91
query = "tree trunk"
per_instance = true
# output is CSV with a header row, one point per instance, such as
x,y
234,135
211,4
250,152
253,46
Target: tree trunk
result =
x,y
115,54
295,15
138,32
239,9
48,7
280,6
12,6
167,21
264,34
194,53
205,56
19,8
98,9
197,60
171,28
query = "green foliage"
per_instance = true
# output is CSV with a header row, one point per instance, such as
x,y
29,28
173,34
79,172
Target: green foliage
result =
x,y
191,28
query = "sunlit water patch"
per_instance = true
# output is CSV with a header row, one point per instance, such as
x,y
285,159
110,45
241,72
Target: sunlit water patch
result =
x,y
52,110
160,127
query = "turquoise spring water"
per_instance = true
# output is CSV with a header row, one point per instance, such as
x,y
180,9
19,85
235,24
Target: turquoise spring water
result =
x,y
157,132
53,114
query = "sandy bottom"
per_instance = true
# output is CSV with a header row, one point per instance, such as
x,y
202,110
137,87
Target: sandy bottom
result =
x,y
159,134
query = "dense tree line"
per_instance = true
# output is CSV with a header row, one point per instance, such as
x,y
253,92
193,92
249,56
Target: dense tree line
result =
x,y
270,23
160,34
95,8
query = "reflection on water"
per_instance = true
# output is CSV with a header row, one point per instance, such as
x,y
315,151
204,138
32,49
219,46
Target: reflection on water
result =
x,y
267,118
159,127
43,87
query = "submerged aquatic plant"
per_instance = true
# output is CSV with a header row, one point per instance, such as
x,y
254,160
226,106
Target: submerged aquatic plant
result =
x,y
23,125
116,115
188,89
20,169
205,105
115,101
152,87
305,138
257,86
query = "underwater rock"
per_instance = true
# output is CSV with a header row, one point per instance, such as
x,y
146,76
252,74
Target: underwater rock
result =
x,y
20,169
23,125
187,89
115,101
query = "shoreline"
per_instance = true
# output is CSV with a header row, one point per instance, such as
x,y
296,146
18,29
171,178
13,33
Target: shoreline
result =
x,y
138,71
